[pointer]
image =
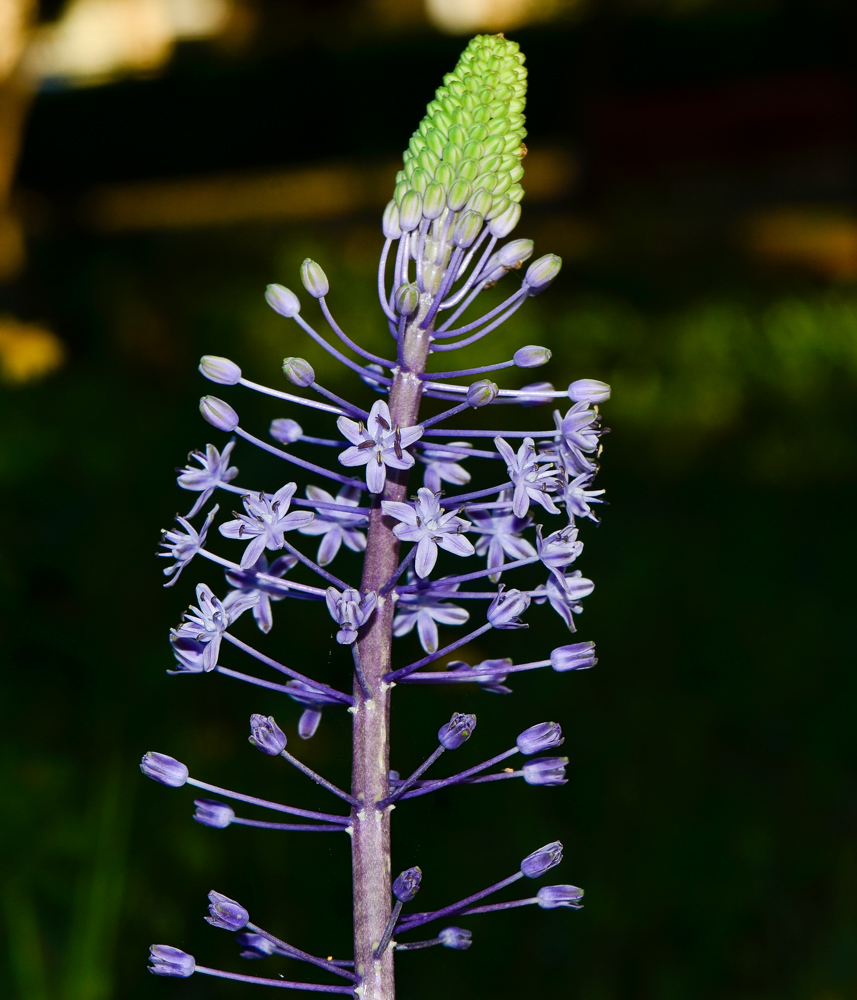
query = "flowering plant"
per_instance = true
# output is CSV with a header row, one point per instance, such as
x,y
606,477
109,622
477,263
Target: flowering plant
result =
x,y
457,196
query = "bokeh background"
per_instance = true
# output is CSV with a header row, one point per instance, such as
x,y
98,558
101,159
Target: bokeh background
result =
x,y
694,163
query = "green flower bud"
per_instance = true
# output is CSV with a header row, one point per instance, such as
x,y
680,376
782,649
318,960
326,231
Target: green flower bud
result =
x,y
434,201
459,192
298,371
466,229
390,222
410,211
314,279
407,299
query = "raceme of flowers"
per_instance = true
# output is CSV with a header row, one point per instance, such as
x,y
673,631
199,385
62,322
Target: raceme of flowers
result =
x,y
456,201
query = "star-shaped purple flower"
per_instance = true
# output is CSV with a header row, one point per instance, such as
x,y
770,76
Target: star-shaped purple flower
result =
x,y
531,480
577,498
425,609
206,624
377,445
501,534
426,523
565,594
247,584
183,545
336,526
214,471
442,466
266,522
559,549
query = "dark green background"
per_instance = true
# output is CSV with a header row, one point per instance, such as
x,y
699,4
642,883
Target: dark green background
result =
x,y
710,813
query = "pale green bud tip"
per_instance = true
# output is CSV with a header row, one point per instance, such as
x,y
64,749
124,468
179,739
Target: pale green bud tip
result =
x,y
482,393
531,356
314,279
298,371
220,370
407,299
218,414
283,301
542,272
589,390
390,222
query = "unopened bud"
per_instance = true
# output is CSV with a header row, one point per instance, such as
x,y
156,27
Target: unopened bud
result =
x,y
285,430
220,370
225,913
546,771
283,301
542,860
531,356
482,393
467,229
266,735
506,607
458,730
298,371
542,272
164,769
314,279
552,896
503,224
544,736
588,390
535,394
407,885
218,414
407,299
410,211
255,946
210,812
459,192
577,656
434,201
164,960
390,222
308,723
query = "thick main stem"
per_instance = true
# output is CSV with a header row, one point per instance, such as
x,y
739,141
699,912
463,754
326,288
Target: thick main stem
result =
x,y
370,849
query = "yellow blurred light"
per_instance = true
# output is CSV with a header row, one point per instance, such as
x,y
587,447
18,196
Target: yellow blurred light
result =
x,y
820,240
98,40
27,351
462,16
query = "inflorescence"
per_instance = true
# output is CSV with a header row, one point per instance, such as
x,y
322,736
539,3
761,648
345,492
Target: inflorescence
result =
x,y
457,196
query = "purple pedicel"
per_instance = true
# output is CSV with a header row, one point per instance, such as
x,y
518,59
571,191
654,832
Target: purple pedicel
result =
x,y
410,551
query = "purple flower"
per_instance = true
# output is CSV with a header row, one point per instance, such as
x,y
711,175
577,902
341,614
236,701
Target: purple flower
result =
x,y
218,413
183,545
589,390
189,654
255,945
577,656
531,480
566,449
285,430
577,497
210,812
552,896
407,885
378,445
564,594
248,586
266,522
425,523
214,471
336,526
542,860
168,961
559,549
506,607
266,735
458,730
425,608
490,673
545,771
501,536
313,700
442,466
349,610
308,722
220,370
164,769
455,937
543,736
225,913
207,623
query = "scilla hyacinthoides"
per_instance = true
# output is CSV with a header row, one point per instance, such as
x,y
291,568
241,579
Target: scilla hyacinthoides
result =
x,y
456,198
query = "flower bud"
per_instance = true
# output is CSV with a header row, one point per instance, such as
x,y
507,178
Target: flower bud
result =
x,y
266,735
225,913
410,211
308,723
285,430
255,946
407,885
482,393
407,299
542,272
434,201
535,394
459,192
218,414
458,730
503,224
545,771
166,770
589,390
552,896
506,607
282,301
221,370
168,961
314,279
577,656
466,229
210,812
542,860
373,383
544,736
514,253
298,371
390,222
455,937
560,548
531,356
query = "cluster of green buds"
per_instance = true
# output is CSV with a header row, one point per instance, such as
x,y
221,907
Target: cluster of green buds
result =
x,y
463,165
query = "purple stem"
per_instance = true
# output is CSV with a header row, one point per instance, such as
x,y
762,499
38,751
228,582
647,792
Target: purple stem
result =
x,y
446,414
491,434
302,955
496,907
420,258
331,322
317,778
334,352
411,667
448,280
360,673
453,300
270,685
326,442
414,945
265,804
308,827
409,782
272,581
474,675
444,581
324,505
338,399
284,984
309,466
484,331
460,373
340,696
417,920
314,566
289,397
403,565
456,778
388,930
459,450
382,275
454,501
445,332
